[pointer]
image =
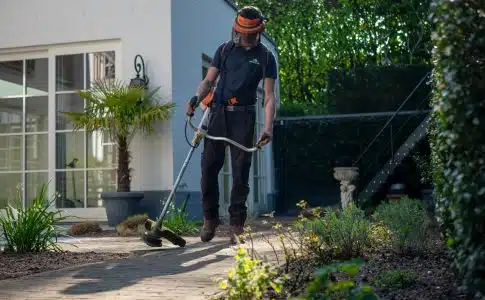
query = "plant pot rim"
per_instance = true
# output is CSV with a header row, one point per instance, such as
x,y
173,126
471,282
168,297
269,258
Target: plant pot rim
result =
x,y
133,195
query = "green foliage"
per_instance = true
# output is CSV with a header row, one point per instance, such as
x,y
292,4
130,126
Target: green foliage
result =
x,y
313,241
296,249
121,111
458,140
341,34
381,236
178,221
423,163
443,211
31,229
295,109
306,233
326,286
395,278
251,278
407,220
347,232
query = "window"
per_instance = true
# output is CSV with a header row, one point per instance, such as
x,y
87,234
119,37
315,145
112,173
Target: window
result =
x,y
85,162
81,164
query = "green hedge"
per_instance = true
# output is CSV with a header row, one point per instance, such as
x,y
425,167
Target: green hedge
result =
x,y
458,137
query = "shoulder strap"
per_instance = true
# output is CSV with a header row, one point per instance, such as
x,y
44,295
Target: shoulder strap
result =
x,y
225,51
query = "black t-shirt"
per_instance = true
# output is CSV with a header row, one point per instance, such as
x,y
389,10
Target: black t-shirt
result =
x,y
242,72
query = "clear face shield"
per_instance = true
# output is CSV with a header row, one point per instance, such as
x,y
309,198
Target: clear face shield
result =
x,y
245,39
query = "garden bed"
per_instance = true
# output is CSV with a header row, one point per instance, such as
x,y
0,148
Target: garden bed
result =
x,y
393,276
396,254
396,277
18,265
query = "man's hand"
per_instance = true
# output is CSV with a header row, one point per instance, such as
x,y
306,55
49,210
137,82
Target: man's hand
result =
x,y
265,137
191,105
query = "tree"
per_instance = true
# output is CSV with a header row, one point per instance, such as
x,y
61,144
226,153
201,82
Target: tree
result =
x,y
316,36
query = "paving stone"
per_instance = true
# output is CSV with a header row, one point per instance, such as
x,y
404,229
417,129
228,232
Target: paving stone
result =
x,y
150,273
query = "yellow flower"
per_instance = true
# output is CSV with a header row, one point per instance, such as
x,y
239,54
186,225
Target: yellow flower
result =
x,y
315,238
277,226
302,204
232,273
223,285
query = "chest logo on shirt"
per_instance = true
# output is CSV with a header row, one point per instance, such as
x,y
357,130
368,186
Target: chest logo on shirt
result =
x,y
254,61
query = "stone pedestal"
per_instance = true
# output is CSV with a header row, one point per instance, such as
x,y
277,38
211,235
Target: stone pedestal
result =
x,y
347,177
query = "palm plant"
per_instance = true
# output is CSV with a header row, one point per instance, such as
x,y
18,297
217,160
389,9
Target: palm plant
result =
x,y
120,110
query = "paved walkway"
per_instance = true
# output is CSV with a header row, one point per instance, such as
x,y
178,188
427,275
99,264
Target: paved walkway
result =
x,y
151,273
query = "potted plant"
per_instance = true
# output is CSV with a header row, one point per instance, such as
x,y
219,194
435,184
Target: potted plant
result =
x,y
120,110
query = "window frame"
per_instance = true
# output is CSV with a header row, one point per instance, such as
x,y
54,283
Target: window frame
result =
x,y
50,52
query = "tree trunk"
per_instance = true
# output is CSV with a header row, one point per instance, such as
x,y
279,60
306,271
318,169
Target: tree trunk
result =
x,y
124,176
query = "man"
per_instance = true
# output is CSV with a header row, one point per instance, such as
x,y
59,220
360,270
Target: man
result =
x,y
241,64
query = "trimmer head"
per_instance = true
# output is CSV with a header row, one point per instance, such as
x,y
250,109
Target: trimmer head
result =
x,y
153,237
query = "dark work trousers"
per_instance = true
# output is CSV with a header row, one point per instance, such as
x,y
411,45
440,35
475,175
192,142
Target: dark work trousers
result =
x,y
237,125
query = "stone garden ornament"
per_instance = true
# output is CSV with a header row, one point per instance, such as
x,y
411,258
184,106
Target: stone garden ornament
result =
x,y
347,177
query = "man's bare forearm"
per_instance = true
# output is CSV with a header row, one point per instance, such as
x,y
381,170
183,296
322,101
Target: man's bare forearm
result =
x,y
203,89
269,112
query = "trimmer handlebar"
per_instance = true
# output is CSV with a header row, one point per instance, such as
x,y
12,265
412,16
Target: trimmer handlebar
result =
x,y
200,132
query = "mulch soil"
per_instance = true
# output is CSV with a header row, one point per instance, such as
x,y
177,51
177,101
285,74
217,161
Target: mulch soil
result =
x,y
19,265
432,277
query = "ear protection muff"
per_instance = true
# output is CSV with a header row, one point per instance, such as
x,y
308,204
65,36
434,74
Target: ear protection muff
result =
x,y
244,25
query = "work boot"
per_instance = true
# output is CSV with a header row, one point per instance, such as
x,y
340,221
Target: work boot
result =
x,y
236,234
208,230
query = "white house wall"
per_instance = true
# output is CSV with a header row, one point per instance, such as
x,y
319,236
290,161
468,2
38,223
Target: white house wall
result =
x,y
136,27
198,27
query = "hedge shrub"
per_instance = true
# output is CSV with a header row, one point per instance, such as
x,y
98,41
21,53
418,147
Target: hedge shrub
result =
x,y
458,140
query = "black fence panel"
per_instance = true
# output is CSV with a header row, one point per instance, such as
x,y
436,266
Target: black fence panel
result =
x,y
307,150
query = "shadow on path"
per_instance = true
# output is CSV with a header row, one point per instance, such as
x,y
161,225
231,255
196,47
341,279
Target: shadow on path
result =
x,y
115,276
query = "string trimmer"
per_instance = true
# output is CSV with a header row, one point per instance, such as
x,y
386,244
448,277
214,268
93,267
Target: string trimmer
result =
x,y
155,231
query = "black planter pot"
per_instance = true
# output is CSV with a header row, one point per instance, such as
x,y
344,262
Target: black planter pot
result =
x,y
121,205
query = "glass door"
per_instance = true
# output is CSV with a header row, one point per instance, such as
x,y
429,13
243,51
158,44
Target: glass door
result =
x,y
24,106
